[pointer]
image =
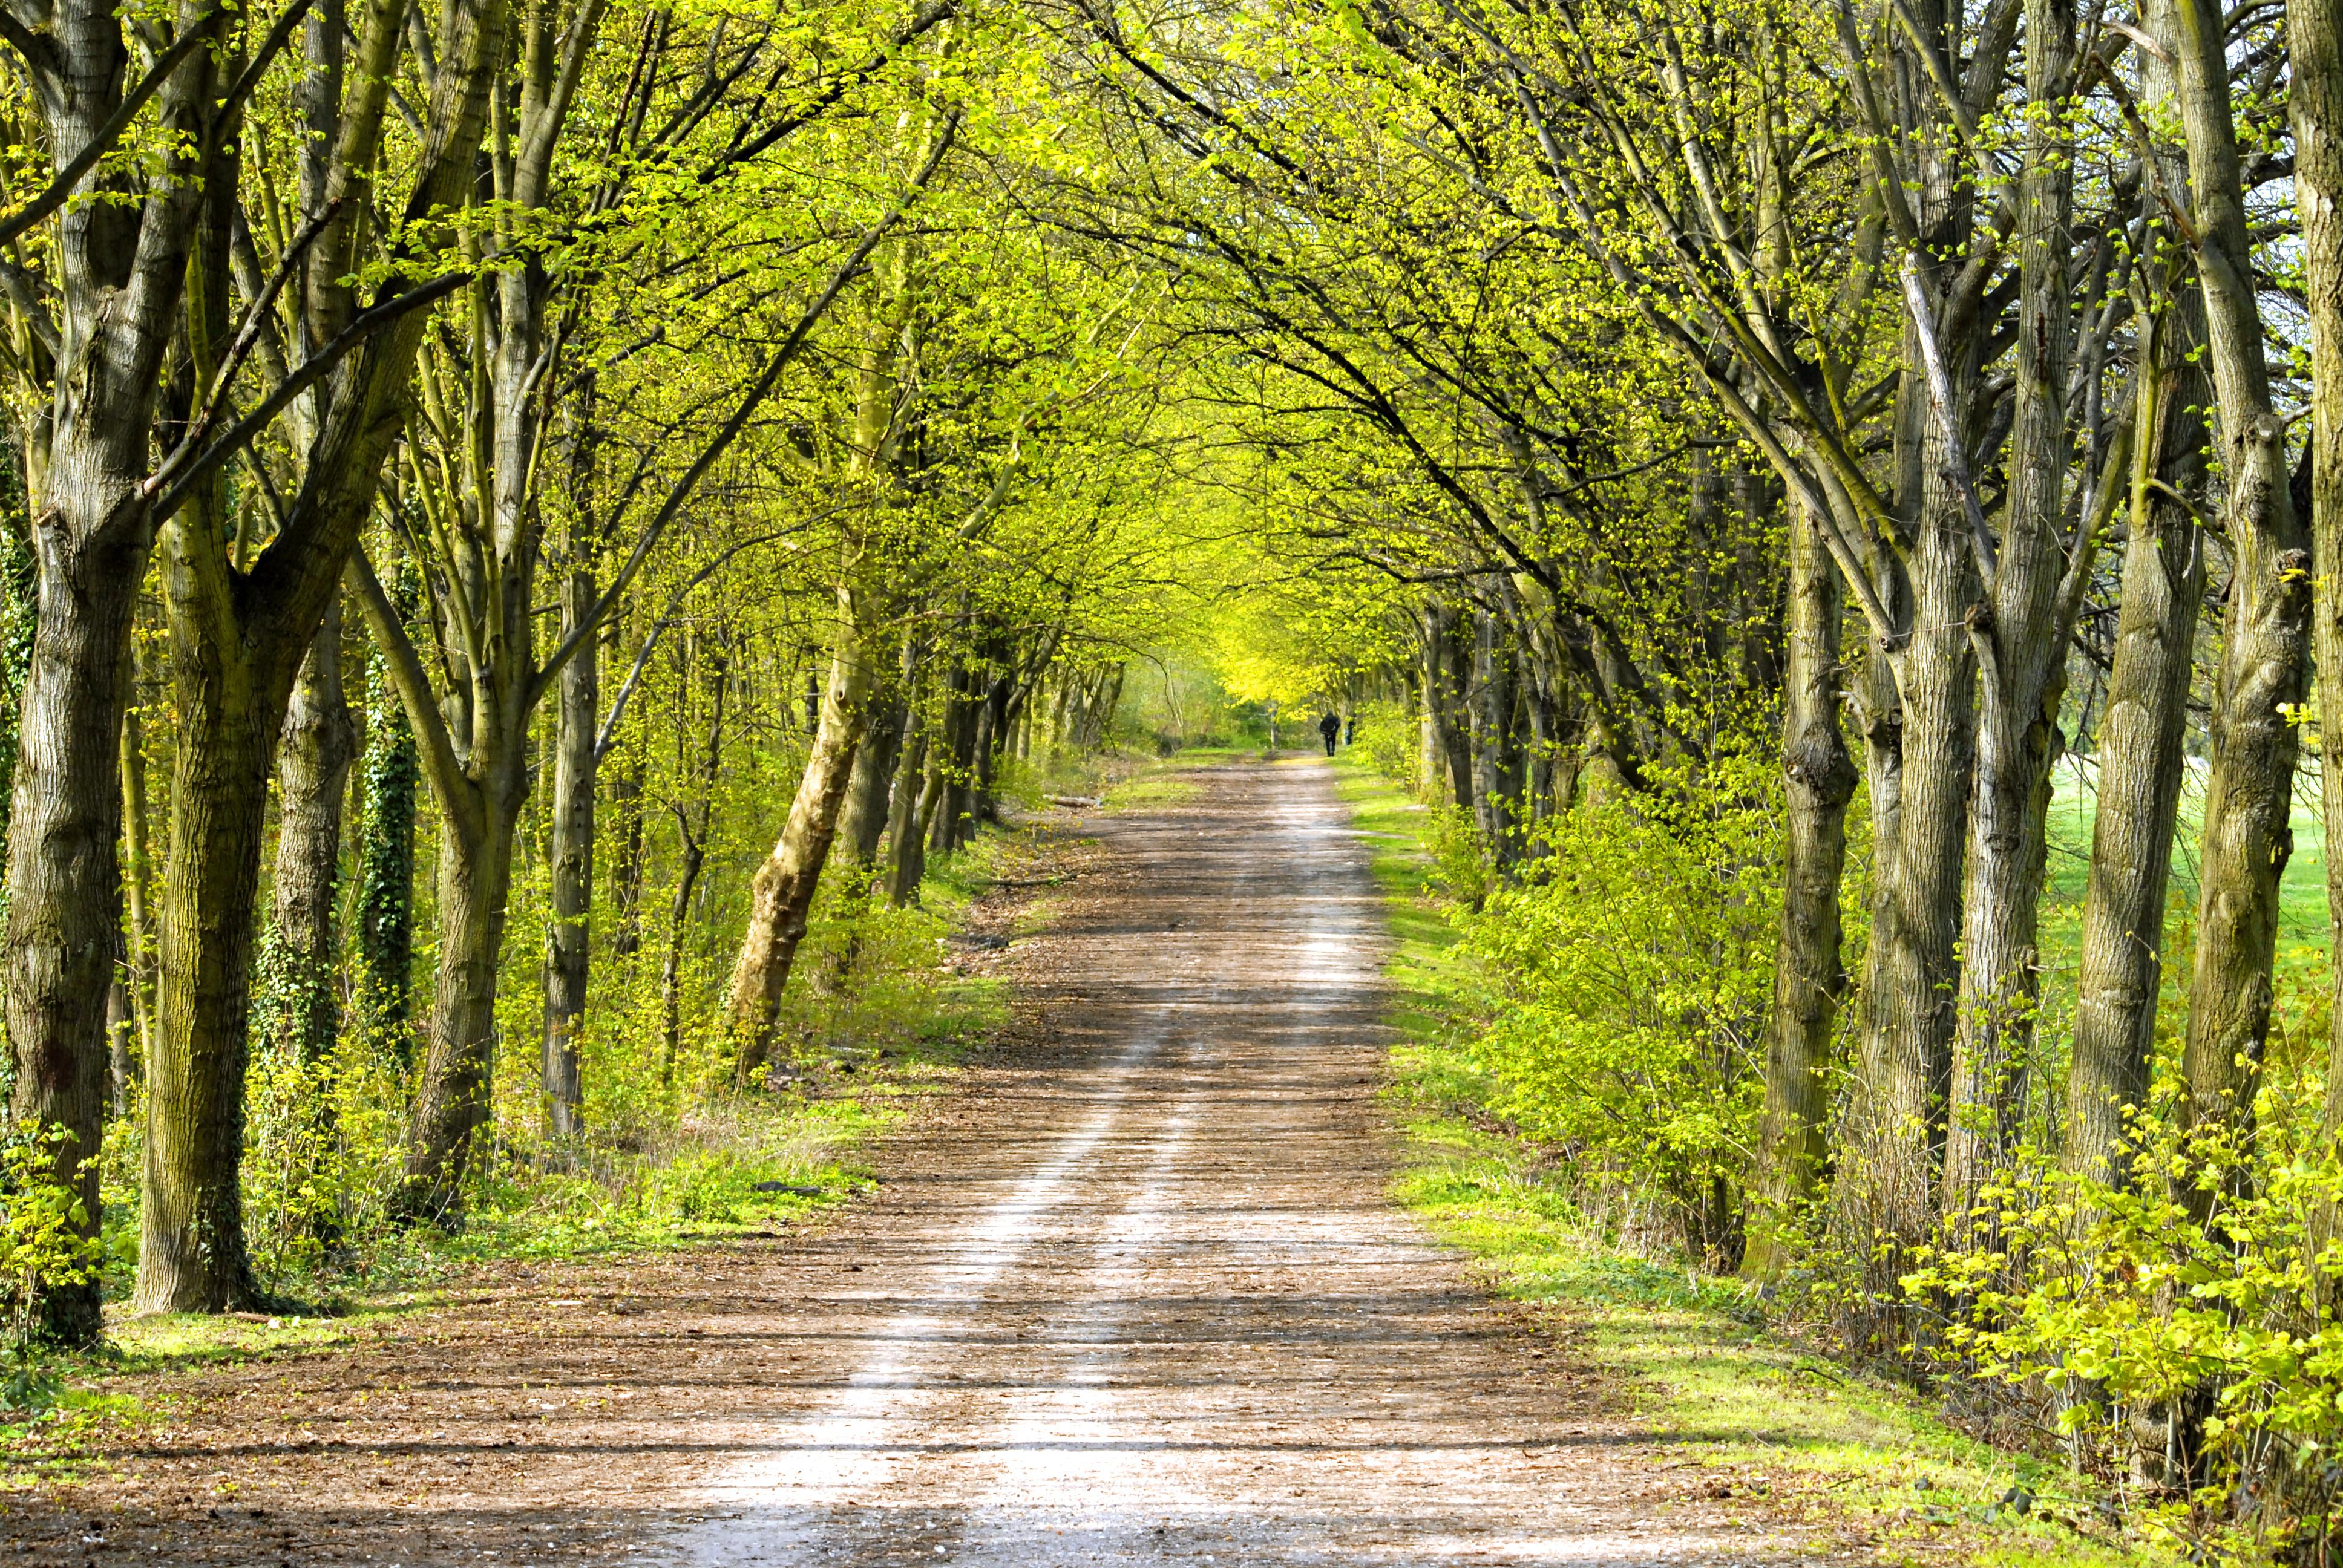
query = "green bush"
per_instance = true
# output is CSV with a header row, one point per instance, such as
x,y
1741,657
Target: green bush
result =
x,y
2179,1327
1390,735
1634,965
41,1221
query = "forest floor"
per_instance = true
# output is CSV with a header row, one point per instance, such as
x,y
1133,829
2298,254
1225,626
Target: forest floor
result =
x,y
1136,1291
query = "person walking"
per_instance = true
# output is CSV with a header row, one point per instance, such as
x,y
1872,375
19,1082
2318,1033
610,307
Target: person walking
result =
x,y
1330,727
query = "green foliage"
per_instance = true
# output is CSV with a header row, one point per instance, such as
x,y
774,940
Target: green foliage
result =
x,y
1635,962
43,1223
1690,1351
322,1152
2190,1307
1390,735
390,776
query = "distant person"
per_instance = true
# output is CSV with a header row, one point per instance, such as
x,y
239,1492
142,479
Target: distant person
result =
x,y
1351,730
1330,727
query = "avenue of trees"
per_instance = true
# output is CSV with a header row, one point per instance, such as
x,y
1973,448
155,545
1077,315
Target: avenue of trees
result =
x,y
520,511
502,498
1857,489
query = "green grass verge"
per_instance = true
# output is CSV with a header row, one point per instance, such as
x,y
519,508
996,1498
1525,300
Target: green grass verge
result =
x,y
1831,1445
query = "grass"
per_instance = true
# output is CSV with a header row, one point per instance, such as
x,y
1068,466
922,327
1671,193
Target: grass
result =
x,y
2302,926
1831,1445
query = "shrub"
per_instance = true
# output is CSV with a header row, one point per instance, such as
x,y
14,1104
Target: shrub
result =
x,y
1634,964
41,1220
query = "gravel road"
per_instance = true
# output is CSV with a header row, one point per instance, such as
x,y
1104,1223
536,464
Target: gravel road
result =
x,y
1160,1310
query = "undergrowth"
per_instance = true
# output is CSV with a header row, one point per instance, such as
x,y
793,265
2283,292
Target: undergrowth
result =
x,y
1693,1353
883,1021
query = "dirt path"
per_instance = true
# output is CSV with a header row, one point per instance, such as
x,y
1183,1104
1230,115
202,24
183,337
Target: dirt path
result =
x,y
1138,1297
1168,1314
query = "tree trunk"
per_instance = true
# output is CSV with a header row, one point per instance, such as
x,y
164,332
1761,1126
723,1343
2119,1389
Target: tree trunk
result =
x,y
907,840
2020,637
686,882
117,265
137,876
1818,781
1496,750
454,1105
118,1026
1431,757
949,774
984,715
868,801
1444,666
567,951
64,819
313,767
191,1255
2264,669
2142,757
781,895
240,633
992,733
2315,33
19,609
1911,968
626,876
302,1013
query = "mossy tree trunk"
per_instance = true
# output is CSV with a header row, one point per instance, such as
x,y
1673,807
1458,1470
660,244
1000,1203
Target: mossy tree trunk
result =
x,y
2142,756
1809,977
567,951
2264,671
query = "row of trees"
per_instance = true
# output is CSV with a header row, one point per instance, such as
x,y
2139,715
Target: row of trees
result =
x,y
527,438
1917,394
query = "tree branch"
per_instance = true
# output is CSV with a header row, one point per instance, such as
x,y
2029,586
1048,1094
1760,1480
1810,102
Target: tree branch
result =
x,y
60,189
750,403
406,673
182,475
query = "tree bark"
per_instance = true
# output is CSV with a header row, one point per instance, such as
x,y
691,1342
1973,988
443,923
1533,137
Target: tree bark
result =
x,y
1911,970
992,735
120,263
977,795
2020,636
1444,701
299,983
191,1255
947,758
568,953
869,795
1497,782
780,896
20,608
453,1105
313,767
385,915
907,840
1809,979
633,859
2142,757
2264,669
138,879
2315,98
241,633
64,819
